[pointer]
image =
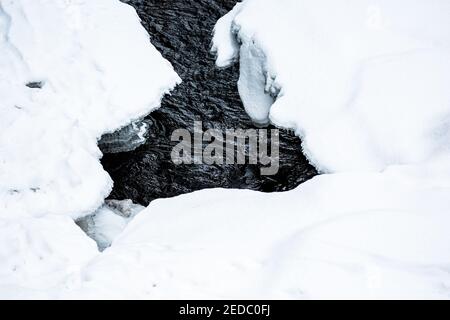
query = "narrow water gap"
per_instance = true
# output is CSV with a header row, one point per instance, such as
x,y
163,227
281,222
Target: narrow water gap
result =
x,y
182,31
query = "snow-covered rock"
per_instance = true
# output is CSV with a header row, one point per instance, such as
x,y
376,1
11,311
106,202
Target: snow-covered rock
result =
x,y
70,71
364,83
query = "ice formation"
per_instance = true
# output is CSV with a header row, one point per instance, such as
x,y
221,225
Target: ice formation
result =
x,y
108,222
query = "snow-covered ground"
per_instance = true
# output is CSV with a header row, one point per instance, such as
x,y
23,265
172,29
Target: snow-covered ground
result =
x,y
109,221
363,82
97,71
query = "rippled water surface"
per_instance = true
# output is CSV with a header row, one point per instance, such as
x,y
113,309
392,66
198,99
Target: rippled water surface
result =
x,y
182,30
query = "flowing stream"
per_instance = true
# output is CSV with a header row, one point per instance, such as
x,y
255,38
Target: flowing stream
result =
x,y
182,30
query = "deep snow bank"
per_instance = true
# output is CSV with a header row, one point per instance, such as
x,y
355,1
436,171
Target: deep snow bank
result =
x,y
69,72
39,255
350,235
357,90
364,83
346,235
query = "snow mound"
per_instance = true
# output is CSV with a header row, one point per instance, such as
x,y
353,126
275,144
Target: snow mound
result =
x,y
364,86
364,83
349,235
70,71
37,255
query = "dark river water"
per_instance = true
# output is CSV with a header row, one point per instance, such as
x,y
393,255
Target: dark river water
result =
x,y
182,30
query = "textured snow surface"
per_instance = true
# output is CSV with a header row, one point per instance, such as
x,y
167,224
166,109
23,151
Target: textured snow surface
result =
x,y
90,69
365,83
348,235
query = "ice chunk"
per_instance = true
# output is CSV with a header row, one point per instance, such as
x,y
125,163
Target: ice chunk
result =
x,y
348,235
38,255
109,221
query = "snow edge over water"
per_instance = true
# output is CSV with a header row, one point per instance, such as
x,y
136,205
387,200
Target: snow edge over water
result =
x,y
363,84
71,71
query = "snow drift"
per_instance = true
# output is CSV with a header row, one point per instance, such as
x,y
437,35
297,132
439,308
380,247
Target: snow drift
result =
x,y
350,236
364,83
69,72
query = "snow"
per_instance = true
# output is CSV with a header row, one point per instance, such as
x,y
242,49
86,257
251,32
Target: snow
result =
x,y
224,43
98,71
363,83
368,76
348,235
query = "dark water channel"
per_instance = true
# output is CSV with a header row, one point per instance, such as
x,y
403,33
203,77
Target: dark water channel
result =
x,y
182,30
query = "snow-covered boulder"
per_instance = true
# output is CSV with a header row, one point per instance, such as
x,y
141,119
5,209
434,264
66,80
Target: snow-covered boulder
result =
x,y
69,72
364,83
